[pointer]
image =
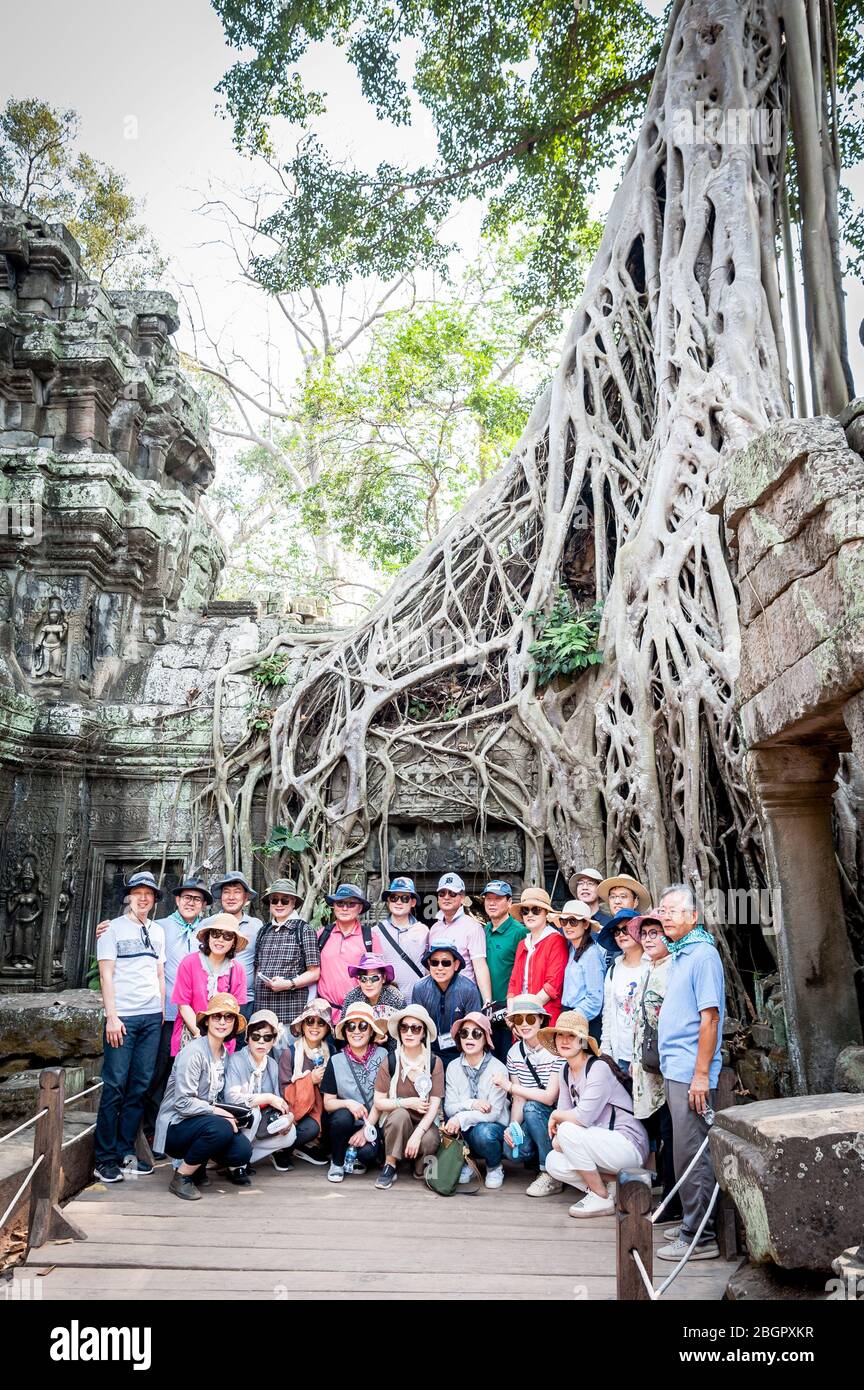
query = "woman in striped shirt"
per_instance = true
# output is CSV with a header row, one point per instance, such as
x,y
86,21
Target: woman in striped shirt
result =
x,y
532,1084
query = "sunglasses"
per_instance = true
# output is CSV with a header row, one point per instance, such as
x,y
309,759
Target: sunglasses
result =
x,y
357,1027
435,963
354,903
370,979
574,921
411,1028
621,931
532,911
262,1037
280,901
222,1018
222,935
471,1033
400,897
314,1023
448,893
518,1019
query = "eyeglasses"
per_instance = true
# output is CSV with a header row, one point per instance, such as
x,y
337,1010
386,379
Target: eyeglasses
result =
x,y
434,964
280,901
191,899
671,911
652,934
519,1019
471,1033
357,1027
221,935
411,1028
370,979
222,1018
262,1037
145,938
400,897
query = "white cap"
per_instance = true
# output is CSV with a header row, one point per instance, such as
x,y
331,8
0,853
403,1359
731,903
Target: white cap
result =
x,y
452,881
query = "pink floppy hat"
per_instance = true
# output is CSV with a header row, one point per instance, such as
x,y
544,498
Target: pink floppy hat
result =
x,y
371,962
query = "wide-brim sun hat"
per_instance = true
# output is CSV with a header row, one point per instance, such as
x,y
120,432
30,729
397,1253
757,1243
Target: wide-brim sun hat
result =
x,y
372,962
643,897
316,1008
223,1004
412,1011
194,885
223,921
234,877
573,880
345,892
364,1014
569,1022
532,897
575,908
144,879
442,944
526,1004
473,1017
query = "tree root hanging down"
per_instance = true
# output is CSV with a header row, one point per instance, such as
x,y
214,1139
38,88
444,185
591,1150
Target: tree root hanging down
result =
x,y
674,359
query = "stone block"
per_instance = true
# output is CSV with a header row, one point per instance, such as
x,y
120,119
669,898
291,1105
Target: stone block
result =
x,y
52,1027
841,520
18,1095
795,1171
849,1072
815,447
809,612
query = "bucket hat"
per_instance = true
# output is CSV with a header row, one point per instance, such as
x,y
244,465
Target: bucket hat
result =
x,y
223,921
266,1016
583,873
643,897
194,885
364,1012
371,962
400,885
144,880
635,925
441,944
498,885
316,1008
451,881
574,907
223,1004
346,891
287,886
569,1022
473,1017
411,1011
526,1004
532,897
233,877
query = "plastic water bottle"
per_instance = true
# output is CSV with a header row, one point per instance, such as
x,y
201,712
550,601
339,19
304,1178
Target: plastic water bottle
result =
x,y
517,1134
350,1159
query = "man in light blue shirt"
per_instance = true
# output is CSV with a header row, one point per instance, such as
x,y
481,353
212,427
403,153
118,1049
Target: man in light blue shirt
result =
x,y
690,1030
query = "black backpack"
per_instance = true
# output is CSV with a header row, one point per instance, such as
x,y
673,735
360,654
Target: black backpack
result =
x,y
330,927
625,1080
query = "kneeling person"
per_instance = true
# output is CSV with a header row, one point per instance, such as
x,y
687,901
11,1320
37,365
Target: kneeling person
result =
x,y
532,1085
408,1093
475,1105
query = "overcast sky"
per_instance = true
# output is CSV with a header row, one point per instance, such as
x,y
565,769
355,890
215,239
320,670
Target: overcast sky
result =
x,y
142,77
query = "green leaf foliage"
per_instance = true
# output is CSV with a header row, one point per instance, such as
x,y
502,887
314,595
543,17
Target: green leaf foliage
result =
x,y
281,840
566,640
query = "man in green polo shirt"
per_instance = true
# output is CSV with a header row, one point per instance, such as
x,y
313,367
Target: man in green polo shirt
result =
x,y
503,934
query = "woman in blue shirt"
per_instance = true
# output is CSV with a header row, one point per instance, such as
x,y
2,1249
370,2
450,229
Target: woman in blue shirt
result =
x,y
586,967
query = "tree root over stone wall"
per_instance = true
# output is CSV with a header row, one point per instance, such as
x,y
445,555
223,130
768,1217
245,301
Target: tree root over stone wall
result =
x,y
674,359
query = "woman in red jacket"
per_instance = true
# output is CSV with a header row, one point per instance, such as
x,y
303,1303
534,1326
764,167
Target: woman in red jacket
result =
x,y
541,956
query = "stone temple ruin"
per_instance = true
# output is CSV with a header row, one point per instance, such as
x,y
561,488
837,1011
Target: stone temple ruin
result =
x,y
112,643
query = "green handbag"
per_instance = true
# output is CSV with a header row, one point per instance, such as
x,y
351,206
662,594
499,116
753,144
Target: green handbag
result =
x,y
442,1171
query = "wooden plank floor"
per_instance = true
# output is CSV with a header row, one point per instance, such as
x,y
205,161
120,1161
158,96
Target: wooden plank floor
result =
x,y
296,1236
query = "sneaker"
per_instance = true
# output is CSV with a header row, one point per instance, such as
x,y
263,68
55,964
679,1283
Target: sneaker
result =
x,y
239,1177
336,1173
282,1162
387,1176
671,1229
677,1249
357,1171
184,1187
310,1156
109,1172
466,1174
131,1164
544,1186
592,1205
494,1176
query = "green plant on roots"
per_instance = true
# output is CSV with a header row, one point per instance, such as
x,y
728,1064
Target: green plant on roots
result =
x,y
566,639
273,670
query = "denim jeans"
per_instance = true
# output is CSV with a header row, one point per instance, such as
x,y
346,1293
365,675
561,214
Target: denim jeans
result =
x,y
161,1072
486,1141
126,1075
535,1123
203,1137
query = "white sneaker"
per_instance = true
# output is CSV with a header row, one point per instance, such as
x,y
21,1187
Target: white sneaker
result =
x,y
544,1186
336,1172
494,1176
467,1174
592,1205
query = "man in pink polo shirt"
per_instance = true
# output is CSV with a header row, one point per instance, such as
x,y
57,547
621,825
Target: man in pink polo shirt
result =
x,y
341,944
466,933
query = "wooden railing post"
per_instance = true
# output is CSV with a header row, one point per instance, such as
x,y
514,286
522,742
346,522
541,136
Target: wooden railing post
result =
x,y
47,1221
726,1216
635,1232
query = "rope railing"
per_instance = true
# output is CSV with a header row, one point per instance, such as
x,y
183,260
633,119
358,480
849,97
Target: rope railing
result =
x,y
13,1132
89,1091
20,1193
45,1220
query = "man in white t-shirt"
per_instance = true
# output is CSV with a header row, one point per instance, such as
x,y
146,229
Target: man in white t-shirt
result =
x,y
466,933
131,955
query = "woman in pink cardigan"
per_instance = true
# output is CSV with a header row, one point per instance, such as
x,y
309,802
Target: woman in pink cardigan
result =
x,y
212,970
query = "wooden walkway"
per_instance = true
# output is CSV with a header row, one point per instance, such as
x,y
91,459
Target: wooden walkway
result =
x,y
296,1236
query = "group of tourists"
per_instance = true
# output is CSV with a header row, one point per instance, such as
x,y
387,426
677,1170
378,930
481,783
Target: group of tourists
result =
x,y
573,1042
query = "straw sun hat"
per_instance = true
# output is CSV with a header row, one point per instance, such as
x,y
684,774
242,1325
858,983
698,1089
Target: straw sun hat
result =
x,y
573,1023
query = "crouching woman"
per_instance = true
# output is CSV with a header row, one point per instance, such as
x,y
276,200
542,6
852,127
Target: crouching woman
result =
x,y
190,1124
252,1078
593,1130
